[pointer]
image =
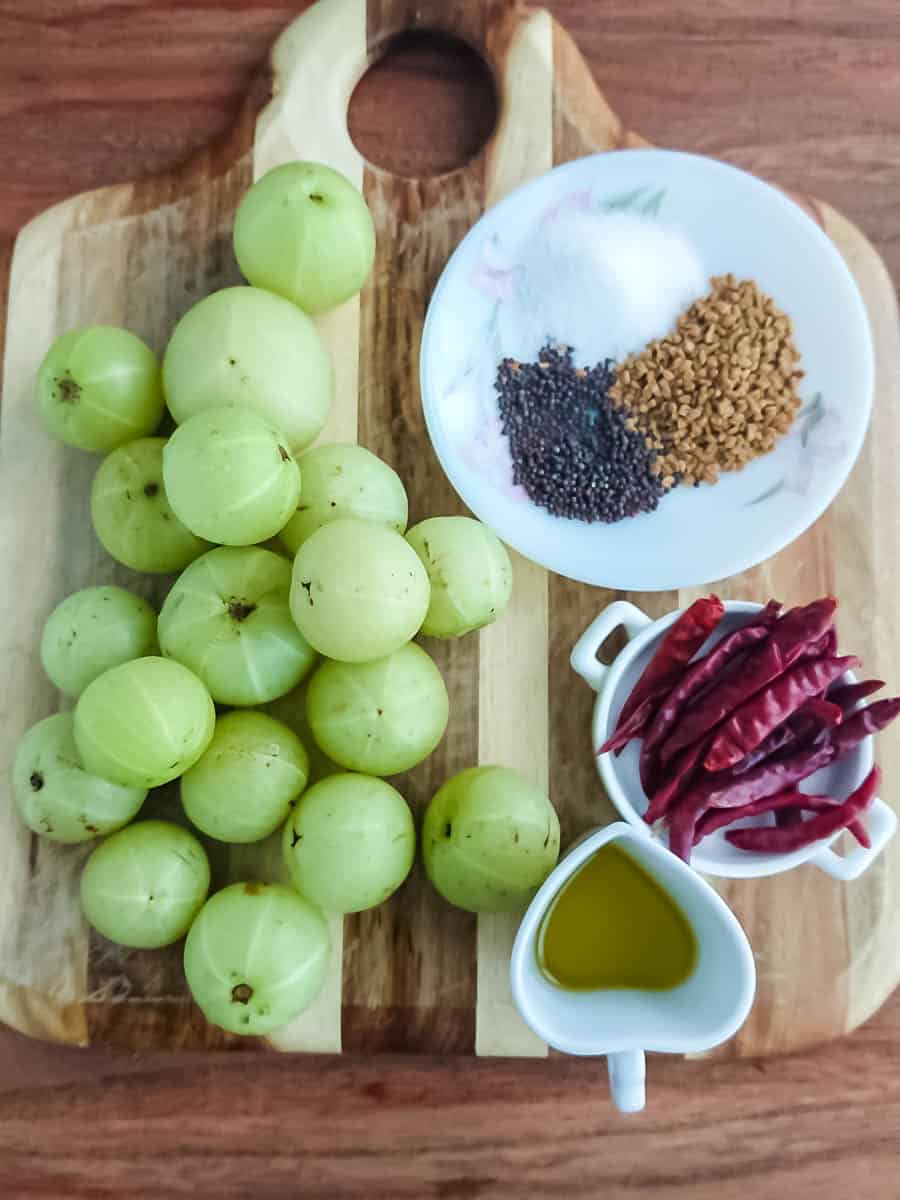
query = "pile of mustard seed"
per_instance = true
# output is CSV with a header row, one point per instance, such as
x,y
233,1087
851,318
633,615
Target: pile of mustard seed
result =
x,y
719,390
572,451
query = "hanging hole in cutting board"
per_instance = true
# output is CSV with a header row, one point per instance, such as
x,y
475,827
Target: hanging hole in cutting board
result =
x,y
426,107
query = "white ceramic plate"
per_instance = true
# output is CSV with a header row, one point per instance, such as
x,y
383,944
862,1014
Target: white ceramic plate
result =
x,y
736,224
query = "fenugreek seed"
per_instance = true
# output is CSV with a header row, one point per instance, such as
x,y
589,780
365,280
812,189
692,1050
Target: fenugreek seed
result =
x,y
730,356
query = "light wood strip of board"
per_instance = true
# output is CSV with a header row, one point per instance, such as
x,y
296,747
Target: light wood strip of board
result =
x,y
36,1014
786,915
44,945
512,679
316,64
96,258
576,789
866,521
583,123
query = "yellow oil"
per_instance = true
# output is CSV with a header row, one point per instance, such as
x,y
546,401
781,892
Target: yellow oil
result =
x,y
613,926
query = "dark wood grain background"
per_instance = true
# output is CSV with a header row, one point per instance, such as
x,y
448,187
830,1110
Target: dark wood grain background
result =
x,y
807,93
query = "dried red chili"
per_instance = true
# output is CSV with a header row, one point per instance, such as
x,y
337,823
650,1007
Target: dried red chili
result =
x,y
769,708
700,673
680,773
848,695
784,839
820,713
762,739
823,647
871,719
789,637
789,800
774,775
635,723
688,822
780,738
676,649
802,728
859,831
682,821
794,816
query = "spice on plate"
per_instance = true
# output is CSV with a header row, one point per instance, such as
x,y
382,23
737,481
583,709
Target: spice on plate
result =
x,y
573,452
720,389
604,283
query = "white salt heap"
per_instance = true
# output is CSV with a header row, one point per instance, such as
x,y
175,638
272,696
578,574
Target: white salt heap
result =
x,y
604,284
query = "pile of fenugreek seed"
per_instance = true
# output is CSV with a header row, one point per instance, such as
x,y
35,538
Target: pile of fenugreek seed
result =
x,y
719,390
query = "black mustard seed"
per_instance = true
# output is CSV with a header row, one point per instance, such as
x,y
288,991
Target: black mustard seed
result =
x,y
572,451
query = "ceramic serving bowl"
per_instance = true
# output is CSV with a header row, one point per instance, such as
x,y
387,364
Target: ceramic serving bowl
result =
x,y
714,855
622,1023
735,223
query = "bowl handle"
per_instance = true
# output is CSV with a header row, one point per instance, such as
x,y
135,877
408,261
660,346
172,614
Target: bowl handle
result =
x,y
882,824
627,1073
584,656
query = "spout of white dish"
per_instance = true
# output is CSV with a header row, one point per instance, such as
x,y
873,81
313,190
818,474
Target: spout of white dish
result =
x,y
627,1073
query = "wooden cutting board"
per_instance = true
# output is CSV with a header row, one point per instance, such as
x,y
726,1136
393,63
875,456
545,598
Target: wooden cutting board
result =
x,y
414,974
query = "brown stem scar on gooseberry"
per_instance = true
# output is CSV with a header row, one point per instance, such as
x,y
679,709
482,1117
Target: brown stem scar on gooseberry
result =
x,y
241,993
240,610
69,391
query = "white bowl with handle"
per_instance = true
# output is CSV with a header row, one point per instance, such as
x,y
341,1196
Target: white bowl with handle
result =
x,y
714,855
705,1010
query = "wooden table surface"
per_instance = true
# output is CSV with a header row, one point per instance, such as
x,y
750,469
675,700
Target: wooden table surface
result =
x,y
93,92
